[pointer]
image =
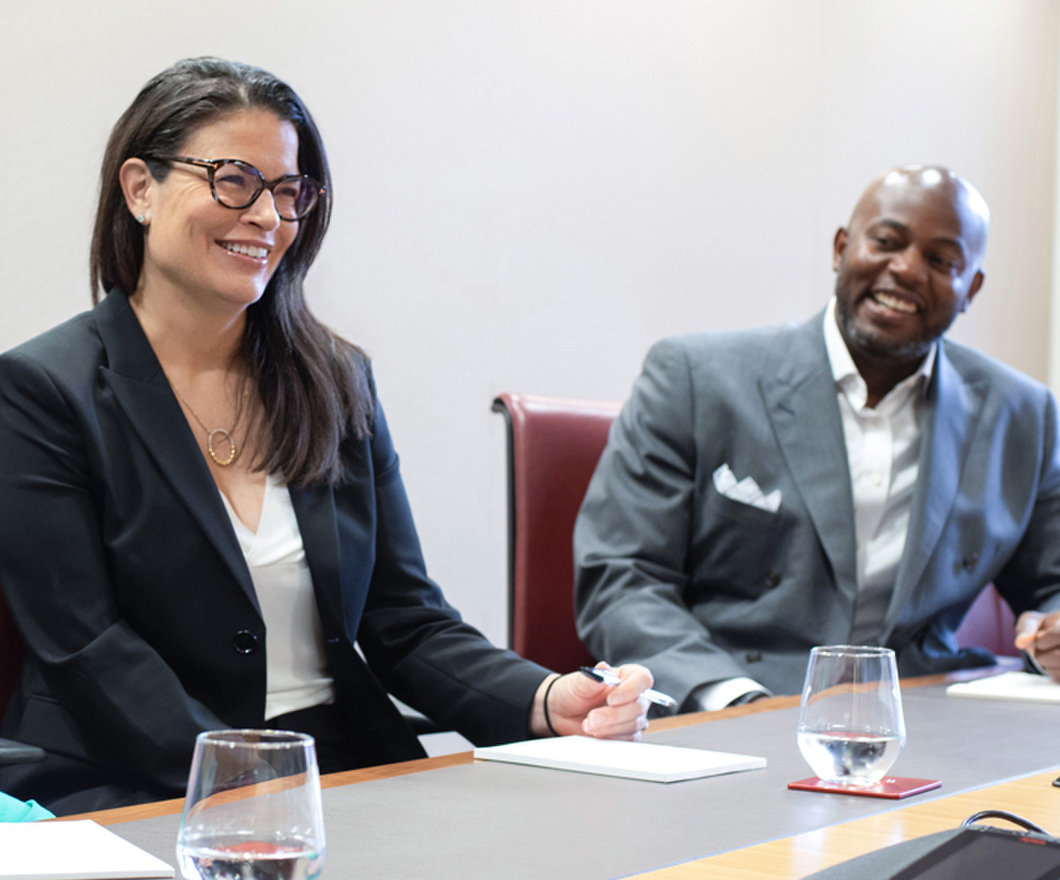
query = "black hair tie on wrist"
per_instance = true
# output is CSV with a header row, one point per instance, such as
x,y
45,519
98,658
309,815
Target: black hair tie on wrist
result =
x,y
548,720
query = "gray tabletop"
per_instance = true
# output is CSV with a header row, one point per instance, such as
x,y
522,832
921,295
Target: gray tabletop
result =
x,y
490,820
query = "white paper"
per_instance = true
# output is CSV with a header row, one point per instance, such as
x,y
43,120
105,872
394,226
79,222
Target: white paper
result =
x,y
77,850
1009,686
606,757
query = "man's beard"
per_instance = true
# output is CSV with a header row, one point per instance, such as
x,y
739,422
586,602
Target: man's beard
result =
x,y
873,345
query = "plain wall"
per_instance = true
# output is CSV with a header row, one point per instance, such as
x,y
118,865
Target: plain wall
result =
x,y
528,193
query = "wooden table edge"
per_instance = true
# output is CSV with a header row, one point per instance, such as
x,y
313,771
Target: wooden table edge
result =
x,y
387,771
803,855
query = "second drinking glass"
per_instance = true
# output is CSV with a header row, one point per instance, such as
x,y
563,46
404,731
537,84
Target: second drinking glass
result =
x,y
851,728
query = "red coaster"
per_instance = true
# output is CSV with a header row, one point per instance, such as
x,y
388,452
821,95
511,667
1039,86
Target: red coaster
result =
x,y
892,787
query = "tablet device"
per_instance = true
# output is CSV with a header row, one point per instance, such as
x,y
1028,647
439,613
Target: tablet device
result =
x,y
983,851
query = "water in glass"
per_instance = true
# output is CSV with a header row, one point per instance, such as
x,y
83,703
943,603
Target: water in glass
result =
x,y
253,809
851,726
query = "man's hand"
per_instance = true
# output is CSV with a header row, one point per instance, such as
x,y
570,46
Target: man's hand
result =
x,y
579,705
1039,635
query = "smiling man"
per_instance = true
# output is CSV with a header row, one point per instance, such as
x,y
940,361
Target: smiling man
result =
x,y
907,264
854,479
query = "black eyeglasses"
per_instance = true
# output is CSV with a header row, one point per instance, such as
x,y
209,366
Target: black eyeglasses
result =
x,y
237,184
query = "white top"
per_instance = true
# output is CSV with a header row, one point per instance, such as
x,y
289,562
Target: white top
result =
x,y
296,670
883,451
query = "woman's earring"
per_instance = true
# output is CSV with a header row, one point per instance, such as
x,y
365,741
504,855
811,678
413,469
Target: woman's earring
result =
x,y
140,219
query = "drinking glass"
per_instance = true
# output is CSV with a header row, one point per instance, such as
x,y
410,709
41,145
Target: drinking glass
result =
x,y
252,810
851,726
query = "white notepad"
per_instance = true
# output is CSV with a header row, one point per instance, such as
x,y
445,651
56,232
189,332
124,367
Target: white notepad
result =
x,y
608,757
1009,686
78,850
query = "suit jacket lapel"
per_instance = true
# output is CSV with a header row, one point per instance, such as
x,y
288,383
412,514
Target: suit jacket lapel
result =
x,y
380,729
949,420
314,506
800,402
139,387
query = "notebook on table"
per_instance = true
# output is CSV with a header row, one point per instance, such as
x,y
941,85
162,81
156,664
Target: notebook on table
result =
x,y
1023,686
76,850
631,760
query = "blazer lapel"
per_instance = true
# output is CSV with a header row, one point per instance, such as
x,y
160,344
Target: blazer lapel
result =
x,y
800,402
314,507
338,528
380,730
140,388
949,423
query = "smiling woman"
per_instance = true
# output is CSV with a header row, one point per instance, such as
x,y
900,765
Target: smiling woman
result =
x,y
196,246
159,223
203,506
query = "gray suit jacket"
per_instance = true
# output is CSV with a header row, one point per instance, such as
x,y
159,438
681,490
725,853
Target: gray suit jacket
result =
x,y
701,588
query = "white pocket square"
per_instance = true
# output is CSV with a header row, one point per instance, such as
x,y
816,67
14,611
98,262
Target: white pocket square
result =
x,y
745,491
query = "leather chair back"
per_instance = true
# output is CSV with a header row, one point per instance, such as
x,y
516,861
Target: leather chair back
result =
x,y
11,651
553,447
989,624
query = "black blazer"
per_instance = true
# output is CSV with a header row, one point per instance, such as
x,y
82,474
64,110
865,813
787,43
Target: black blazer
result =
x,y
126,580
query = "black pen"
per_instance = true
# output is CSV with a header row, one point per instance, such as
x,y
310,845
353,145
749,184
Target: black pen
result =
x,y
609,678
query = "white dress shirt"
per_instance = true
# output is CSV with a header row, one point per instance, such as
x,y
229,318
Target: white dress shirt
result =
x,y
296,669
883,450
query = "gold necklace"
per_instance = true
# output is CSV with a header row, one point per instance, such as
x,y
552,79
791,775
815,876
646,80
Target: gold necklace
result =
x,y
233,450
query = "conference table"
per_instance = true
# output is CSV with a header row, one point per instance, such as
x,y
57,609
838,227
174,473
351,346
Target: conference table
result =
x,y
453,817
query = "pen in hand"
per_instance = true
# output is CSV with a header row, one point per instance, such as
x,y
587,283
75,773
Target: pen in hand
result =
x,y
609,678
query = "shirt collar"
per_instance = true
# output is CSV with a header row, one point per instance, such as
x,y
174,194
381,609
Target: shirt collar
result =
x,y
846,375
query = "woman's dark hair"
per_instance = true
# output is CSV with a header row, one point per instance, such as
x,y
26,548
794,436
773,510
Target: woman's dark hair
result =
x,y
314,387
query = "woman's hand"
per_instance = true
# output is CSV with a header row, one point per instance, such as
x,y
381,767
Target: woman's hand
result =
x,y
579,705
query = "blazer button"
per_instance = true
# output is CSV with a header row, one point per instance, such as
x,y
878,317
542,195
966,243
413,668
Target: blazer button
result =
x,y
753,657
970,561
245,642
773,578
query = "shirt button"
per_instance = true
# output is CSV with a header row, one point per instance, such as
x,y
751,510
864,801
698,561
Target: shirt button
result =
x,y
875,479
772,579
753,657
970,561
245,642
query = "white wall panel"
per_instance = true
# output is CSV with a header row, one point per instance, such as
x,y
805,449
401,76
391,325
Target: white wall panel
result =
x,y
530,192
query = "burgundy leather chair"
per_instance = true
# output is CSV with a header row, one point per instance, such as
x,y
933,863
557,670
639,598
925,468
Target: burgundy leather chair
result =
x,y
990,624
553,447
11,651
